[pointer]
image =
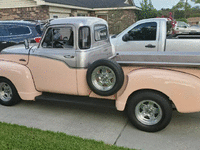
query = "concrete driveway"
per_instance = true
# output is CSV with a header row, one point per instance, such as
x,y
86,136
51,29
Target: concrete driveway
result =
x,y
104,124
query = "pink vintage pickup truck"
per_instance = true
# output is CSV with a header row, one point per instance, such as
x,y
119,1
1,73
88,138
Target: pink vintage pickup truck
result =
x,y
75,57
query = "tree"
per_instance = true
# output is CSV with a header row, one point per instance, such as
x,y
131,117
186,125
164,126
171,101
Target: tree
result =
x,y
181,9
178,6
147,10
196,1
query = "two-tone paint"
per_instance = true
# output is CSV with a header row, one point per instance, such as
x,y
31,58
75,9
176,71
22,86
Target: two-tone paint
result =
x,y
39,70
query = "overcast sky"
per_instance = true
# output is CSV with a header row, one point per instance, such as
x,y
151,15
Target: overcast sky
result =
x,y
158,4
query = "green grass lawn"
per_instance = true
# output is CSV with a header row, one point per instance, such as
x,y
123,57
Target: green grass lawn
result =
x,y
15,137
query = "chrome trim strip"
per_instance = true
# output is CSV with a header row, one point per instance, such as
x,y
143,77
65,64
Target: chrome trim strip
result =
x,y
112,57
168,59
49,57
42,56
159,64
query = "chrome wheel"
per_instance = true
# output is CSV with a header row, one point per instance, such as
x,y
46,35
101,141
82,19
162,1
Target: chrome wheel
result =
x,y
103,78
5,92
148,112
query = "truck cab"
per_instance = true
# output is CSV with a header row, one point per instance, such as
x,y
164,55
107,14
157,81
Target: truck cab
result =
x,y
67,45
144,35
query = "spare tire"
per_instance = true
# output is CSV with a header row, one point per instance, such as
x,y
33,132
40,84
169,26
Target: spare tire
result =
x,y
105,77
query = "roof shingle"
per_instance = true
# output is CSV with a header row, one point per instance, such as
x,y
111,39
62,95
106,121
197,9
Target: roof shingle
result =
x,y
92,3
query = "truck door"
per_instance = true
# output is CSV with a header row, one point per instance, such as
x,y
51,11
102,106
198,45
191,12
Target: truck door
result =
x,y
53,64
142,37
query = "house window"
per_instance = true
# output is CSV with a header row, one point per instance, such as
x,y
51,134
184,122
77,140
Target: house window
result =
x,y
105,17
55,16
83,15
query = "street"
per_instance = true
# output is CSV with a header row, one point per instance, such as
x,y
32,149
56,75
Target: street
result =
x,y
104,124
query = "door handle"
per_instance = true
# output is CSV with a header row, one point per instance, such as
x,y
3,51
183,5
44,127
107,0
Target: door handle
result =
x,y
150,46
22,60
105,50
69,56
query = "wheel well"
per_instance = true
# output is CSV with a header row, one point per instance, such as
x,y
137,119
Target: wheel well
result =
x,y
155,91
5,78
1,77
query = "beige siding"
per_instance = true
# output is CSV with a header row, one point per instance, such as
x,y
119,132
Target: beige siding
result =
x,y
17,3
101,12
59,12
82,11
59,15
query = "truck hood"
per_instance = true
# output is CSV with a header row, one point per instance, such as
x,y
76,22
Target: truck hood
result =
x,y
18,49
16,54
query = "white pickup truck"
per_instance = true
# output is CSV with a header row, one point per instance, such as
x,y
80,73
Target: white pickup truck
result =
x,y
154,35
74,57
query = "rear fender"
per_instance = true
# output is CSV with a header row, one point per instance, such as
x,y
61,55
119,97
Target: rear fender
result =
x,y
21,77
183,89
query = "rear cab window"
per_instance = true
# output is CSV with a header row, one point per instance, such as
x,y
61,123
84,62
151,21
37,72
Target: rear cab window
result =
x,y
84,37
100,32
169,28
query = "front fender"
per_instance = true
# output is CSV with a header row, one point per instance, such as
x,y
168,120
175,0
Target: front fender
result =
x,y
21,77
183,89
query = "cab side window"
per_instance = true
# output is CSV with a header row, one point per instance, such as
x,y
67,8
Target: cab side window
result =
x,y
62,37
18,30
143,32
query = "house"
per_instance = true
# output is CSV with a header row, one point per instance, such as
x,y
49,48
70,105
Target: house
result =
x,y
119,13
194,20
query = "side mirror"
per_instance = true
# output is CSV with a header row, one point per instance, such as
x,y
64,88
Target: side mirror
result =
x,y
126,37
113,36
26,44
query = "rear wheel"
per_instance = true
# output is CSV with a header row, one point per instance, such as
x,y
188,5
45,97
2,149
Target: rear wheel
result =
x,y
8,93
149,111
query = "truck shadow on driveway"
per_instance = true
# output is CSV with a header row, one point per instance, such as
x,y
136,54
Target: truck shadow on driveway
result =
x,y
99,123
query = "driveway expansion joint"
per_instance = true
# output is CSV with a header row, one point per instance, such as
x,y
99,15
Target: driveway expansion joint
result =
x,y
120,133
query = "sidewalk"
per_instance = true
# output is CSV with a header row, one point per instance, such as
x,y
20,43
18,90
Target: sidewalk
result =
x,y
104,124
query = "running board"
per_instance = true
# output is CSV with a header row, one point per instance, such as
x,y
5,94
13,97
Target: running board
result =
x,y
77,99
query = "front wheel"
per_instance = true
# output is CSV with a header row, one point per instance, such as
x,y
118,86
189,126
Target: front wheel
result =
x,y
8,93
149,111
